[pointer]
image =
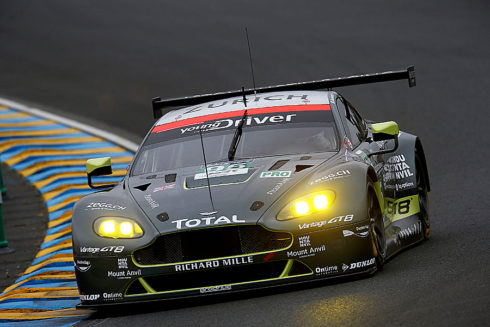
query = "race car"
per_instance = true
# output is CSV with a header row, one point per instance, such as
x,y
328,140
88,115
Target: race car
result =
x,y
249,189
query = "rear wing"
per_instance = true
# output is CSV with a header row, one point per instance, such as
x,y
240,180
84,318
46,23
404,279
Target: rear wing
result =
x,y
409,74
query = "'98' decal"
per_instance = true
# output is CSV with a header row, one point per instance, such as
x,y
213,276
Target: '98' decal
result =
x,y
401,208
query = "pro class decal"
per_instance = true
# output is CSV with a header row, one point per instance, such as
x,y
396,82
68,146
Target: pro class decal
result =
x,y
267,174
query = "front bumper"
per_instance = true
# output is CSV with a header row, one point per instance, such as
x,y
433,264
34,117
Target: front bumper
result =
x,y
312,253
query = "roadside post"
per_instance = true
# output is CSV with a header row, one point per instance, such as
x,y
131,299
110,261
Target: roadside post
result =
x,y
3,190
4,248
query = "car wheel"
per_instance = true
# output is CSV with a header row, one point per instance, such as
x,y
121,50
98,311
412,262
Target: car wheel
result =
x,y
376,228
423,196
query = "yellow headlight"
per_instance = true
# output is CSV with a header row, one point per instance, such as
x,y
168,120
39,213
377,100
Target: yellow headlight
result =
x,y
126,228
309,204
301,207
108,227
320,201
115,227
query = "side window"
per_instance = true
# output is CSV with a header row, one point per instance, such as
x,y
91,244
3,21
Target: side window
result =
x,y
356,119
355,135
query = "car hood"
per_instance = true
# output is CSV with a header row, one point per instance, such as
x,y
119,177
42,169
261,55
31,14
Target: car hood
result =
x,y
241,191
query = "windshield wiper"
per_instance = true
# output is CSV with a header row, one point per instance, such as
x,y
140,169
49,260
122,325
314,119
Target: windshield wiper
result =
x,y
236,137
238,131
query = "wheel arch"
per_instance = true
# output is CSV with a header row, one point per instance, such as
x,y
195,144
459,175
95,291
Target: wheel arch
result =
x,y
420,151
371,174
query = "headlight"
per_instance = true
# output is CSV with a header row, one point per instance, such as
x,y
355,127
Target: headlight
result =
x,y
307,205
114,227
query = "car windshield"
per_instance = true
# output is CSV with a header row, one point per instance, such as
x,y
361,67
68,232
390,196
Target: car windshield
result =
x,y
263,135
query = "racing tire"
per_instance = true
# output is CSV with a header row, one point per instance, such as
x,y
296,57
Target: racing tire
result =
x,y
423,195
376,227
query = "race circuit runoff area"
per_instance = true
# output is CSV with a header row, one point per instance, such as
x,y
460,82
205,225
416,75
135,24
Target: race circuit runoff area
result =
x,y
50,152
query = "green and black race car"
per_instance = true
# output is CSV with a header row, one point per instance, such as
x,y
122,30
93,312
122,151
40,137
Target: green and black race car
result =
x,y
248,189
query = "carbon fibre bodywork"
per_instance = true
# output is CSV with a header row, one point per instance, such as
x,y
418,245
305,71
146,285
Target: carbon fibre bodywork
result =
x,y
191,247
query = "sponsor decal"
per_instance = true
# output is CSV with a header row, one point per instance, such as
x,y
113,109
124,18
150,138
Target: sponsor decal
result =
x,y
318,224
122,263
103,206
209,213
401,208
326,270
228,123
278,186
215,289
322,223
403,186
269,256
124,274
266,174
227,119
399,187
348,233
82,265
112,296
206,221
163,188
348,155
228,169
337,175
115,249
347,144
364,157
256,98
408,232
396,168
360,264
213,263
341,218
153,204
306,252
89,297
304,241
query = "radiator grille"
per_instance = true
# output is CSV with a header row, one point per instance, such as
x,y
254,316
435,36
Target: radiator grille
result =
x,y
208,243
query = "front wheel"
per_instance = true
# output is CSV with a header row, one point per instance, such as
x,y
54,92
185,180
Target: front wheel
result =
x,y
376,228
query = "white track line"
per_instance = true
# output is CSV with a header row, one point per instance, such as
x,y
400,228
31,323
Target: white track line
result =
x,y
125,143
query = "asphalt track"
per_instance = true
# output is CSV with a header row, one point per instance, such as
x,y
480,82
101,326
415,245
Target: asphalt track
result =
x,y
102,61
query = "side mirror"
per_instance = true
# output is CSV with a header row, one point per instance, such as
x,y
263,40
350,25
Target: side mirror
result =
x,y
98,167
384,132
